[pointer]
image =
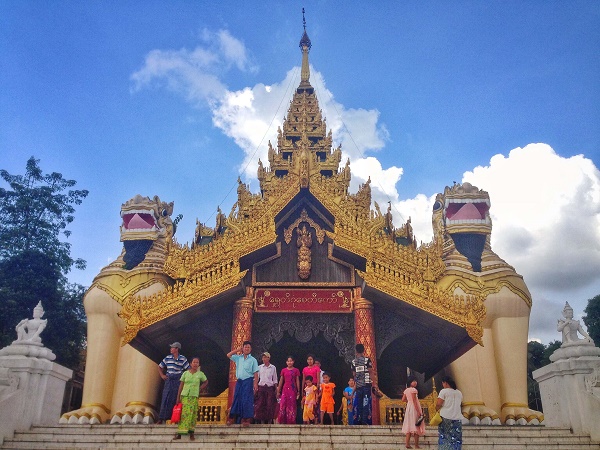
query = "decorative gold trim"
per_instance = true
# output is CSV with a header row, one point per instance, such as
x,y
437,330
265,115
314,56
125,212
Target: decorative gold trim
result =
x,y
147,405
213,410
514,405
287,232
304,243
466,311
472,404
140,312
307,285
96,405
490,287
119,295
305,161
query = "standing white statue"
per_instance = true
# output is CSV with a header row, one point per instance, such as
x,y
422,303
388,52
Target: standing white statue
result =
x,y
569,327
29,330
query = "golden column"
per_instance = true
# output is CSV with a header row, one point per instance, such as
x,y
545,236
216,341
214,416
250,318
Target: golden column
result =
x,y
364,331
241,331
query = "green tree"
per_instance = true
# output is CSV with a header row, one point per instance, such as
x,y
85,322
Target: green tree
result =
x,y
592,318
535,356
35,212
538,355
550,348
34,261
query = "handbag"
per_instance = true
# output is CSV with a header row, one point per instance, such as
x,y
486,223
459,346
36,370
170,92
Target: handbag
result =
x,y
436,420
176,416
420,420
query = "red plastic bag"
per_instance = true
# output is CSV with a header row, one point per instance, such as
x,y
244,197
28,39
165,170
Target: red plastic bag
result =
x,y
176,416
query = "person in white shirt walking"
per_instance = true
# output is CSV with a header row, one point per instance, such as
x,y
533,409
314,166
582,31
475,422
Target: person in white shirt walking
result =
x,y
448,403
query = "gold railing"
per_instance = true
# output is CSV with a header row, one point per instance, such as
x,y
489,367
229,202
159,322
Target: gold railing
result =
x,y
391,410
213,410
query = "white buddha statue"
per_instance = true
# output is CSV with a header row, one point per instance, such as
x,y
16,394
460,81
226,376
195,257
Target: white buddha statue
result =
x,y
569,328
29,330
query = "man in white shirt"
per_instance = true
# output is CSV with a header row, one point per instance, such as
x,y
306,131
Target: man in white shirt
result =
x,y
266,399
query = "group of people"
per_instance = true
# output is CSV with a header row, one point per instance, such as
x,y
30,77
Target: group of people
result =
x,y
263,397
449,406
183,382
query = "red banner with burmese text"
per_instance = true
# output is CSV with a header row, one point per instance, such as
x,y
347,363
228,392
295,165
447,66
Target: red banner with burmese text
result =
x,y
303,300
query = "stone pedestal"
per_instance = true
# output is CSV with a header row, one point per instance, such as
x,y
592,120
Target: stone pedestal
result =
x,y
31,389
569,388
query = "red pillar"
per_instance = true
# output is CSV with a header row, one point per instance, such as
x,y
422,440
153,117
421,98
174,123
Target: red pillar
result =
x,y
241,331
364,330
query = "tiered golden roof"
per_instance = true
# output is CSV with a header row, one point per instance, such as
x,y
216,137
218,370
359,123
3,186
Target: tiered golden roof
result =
x,y
305,160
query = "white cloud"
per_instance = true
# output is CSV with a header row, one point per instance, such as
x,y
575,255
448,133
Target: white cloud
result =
x,y
545,214
383,181
419,209
195,74
234,51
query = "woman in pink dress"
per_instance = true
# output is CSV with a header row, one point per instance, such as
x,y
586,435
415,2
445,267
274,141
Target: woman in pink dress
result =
x,y
315,372
412,413
288,391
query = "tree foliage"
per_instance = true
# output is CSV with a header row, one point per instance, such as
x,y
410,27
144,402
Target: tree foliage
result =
x,y
592,318
538,355
35,212
34,261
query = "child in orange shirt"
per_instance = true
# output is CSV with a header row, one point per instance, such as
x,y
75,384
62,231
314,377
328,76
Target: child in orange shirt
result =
x,y
327,393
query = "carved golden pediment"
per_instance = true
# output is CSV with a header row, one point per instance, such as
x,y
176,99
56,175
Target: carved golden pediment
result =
x,y
141,312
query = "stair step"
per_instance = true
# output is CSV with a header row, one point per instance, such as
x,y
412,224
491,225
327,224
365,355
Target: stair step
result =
x,y
220,437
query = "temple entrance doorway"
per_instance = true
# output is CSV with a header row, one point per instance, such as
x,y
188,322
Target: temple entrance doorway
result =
x,y
331,362
328,336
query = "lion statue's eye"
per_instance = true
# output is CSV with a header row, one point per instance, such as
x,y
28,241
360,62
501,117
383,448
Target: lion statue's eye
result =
x,y
437,205
164,213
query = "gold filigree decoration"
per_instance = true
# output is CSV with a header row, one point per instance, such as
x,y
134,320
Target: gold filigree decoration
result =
x,y
304,243
304,217
490,286
466,311
118,294
140,312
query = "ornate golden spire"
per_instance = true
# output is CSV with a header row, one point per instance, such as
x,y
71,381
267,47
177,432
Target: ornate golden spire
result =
x,y
305,45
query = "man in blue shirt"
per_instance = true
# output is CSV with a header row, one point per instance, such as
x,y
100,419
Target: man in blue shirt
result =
x,y
175,364
246,372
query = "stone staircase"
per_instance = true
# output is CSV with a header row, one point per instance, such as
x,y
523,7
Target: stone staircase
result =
x,y
219,437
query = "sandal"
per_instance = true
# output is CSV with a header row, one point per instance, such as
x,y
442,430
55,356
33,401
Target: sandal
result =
x,y
177,436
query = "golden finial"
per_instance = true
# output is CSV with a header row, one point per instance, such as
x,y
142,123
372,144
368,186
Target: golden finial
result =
x,y
303,19
305,46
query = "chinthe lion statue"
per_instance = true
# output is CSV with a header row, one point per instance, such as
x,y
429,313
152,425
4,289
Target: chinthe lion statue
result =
x,y
492,378
112,394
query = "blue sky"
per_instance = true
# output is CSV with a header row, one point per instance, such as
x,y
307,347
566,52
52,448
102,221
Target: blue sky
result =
x,y
178,99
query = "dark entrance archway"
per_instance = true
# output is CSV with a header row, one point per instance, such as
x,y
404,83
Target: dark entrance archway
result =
x,y
331,362
329,337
